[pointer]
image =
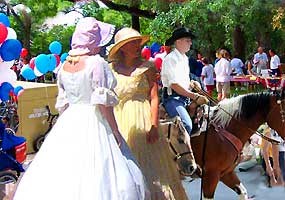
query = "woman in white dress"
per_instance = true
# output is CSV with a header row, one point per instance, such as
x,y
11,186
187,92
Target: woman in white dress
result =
x,y
80,159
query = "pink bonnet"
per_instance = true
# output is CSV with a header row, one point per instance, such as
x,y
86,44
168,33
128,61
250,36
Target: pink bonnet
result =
x,y
89,34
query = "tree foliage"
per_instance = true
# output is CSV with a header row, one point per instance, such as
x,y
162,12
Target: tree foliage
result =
x,y
216,23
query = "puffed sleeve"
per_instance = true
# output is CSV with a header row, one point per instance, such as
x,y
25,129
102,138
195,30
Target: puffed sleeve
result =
x,y
103,83
61,100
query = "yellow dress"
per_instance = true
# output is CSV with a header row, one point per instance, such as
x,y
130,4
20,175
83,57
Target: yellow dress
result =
x,y
134,120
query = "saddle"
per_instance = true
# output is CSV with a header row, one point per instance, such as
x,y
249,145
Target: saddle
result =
x,y
198,116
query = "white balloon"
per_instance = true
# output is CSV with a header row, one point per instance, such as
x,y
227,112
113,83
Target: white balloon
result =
x,y
11,34
8,76
6,65
37,72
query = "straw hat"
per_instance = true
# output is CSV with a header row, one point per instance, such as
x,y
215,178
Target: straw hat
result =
x,y
124,36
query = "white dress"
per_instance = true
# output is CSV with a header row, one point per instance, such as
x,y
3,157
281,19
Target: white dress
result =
x,y
80,159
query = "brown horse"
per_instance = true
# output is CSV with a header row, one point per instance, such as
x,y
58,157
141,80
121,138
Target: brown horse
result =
x,y
240,116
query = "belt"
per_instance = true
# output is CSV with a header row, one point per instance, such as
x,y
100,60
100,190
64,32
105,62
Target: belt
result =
x,y
173,94
166,95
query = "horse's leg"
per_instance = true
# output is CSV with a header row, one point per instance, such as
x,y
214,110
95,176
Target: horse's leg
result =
x,y
210,182
232,181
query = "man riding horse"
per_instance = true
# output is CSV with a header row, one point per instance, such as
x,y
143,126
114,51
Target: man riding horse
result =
x,y
177,87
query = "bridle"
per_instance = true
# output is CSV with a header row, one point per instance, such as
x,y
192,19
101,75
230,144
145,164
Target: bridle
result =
x,y
177,122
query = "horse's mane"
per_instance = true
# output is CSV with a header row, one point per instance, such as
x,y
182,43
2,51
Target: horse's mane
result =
x,y
241,107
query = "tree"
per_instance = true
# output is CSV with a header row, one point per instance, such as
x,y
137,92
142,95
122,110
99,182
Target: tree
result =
x,y
239,25
28,24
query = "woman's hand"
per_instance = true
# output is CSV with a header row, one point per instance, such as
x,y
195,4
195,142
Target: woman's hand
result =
x,y
152,136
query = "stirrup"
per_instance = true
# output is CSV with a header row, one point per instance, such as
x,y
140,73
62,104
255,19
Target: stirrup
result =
x,y
196,133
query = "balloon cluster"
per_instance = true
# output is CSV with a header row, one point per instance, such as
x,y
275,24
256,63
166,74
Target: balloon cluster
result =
x,y
44,63
10,50
155,53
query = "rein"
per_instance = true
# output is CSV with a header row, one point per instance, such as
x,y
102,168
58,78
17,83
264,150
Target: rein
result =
x,y
174,121
273,141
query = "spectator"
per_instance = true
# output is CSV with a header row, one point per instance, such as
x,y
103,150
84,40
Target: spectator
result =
x,y
274,63
270,162
250,67
260,60
281,149
223,72
195,69
207,76
237,66
282,158
218,56
248,157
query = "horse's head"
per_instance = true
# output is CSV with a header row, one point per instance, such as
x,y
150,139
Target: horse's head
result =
x,y
276,115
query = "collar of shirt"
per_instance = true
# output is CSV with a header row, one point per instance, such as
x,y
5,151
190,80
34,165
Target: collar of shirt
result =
x,y
180,55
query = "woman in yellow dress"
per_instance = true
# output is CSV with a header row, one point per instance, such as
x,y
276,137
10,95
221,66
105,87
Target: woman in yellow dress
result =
x,y
137,115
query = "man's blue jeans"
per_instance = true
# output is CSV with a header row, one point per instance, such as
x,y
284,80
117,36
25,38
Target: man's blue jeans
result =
x,y
176,106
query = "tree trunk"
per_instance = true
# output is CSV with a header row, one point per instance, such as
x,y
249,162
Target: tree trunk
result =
x,y
27,32
136,23
239,43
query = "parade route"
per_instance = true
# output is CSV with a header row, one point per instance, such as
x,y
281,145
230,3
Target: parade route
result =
x,y
253,180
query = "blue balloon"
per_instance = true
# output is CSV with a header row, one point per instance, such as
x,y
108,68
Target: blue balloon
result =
x,y
63,57
28,73
10,49
55,47
18,90
155,47
4,19
5,90
42,62
52,62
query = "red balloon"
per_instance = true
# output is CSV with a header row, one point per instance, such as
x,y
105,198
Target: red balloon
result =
x,y
158,63
3,32
57,59
24,52
146,53
32,63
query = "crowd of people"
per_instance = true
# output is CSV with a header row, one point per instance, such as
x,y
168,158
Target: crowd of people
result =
x,y
227,66
114,148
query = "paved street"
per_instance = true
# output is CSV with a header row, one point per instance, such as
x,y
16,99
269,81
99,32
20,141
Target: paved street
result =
x,y
252,180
